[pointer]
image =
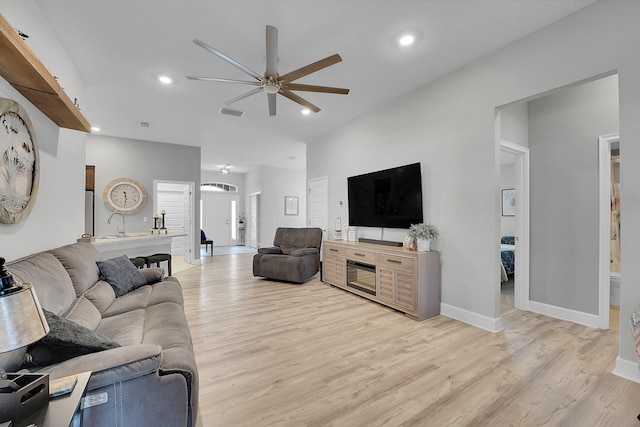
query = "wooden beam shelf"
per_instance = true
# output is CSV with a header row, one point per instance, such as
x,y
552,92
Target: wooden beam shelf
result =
x,y
24,71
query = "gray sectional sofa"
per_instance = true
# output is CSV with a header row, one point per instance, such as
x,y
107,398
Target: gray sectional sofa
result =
x,y
152,378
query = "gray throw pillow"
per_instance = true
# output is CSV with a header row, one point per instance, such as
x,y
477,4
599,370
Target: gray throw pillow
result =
x,y
121,274
66,339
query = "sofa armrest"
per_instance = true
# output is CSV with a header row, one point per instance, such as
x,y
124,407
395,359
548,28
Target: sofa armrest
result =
x,y
274,250
305,251
153,274
111,366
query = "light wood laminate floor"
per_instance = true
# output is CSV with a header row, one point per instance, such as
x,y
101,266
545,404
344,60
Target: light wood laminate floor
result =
x,y
277,354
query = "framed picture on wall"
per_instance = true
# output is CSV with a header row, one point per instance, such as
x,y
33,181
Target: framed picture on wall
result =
x,y
509,202
290,205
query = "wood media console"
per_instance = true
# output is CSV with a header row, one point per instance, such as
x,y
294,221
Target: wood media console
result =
x,y
405,280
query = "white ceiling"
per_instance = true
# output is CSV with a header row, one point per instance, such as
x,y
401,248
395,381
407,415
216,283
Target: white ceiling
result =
x,y
121,47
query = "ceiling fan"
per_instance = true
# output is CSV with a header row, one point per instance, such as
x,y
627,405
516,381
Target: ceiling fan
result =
x,y
271,82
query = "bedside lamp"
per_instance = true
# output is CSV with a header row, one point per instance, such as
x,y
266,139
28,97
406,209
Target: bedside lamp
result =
x,y
22,322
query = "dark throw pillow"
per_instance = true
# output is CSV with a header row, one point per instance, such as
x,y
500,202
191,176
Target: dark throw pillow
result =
x,y
121,274
65,340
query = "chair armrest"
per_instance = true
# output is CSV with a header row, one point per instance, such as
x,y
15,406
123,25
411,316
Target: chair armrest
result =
x,y
305,251
111,366
274,250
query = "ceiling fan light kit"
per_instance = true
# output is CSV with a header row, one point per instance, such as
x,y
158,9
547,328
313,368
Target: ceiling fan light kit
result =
x,y
271,82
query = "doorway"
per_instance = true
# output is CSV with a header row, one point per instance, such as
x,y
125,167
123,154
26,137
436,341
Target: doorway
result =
x,y
519,158
219,218
175,199
254,220
609,228
318,204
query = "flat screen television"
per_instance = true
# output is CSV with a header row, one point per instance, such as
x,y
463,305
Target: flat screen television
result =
x,y
388,198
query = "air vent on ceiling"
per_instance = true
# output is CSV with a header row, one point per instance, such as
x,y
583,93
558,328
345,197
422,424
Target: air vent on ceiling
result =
x,y
231,112
144,124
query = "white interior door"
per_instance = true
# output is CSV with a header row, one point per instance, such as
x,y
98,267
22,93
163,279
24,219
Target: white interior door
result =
x,y
254,220
187,208
217,219
174,199
318,204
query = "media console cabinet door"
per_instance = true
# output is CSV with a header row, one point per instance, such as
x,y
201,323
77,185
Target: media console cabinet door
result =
x,y
333,265
396,281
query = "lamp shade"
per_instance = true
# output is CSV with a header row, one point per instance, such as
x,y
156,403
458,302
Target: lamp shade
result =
x,y
22,321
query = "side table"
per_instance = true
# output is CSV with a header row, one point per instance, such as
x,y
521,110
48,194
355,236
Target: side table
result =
x,y
62,411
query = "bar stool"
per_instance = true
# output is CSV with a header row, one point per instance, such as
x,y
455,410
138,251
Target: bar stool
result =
x,y
157,259
139,262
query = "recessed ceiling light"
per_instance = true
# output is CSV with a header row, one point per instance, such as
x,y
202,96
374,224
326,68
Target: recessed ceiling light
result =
x,y
165,79
95,129
306,111
406,40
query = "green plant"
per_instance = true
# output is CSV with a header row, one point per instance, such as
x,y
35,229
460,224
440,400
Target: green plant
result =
x,y
241,218
423,231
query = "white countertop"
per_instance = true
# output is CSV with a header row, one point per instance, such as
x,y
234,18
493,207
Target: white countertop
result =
x,y
131,238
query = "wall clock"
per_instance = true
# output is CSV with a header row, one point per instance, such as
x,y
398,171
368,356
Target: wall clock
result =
x,y
124,195
19,167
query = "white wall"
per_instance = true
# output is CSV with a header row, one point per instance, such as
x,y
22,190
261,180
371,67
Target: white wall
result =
x,y
274,184
563,141
507,181
58,214
514,122
450,127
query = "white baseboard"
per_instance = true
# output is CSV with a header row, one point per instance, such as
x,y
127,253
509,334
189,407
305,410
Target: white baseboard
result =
x,y
627,369
561,313
474,319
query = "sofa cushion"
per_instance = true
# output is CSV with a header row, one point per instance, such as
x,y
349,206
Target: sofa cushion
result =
x,y
126,328
101,295
66,340
146,296
121,274
84,313
153,274
48,278
293,238
79,259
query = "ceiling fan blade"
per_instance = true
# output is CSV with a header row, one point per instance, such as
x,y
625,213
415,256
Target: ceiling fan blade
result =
x,y
272,52
213,79
311,68
313,88
228,59
295,98
244,95
272,103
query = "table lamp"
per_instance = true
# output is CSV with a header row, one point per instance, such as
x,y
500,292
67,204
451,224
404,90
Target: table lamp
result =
x,y
22,322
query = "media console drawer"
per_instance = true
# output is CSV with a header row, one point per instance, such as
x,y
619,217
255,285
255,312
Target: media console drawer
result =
x,y
360,255
395,261
332,250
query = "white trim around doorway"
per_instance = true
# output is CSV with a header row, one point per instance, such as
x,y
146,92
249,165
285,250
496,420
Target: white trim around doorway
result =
x,y
604,225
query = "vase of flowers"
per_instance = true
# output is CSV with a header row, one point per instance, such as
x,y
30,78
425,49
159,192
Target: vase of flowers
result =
x,y
423,234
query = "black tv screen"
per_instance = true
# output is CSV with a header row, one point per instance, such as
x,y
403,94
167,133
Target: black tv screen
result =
x,y
387,198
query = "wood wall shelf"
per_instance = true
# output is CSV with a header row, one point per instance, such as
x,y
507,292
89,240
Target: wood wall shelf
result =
x,y
22,68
